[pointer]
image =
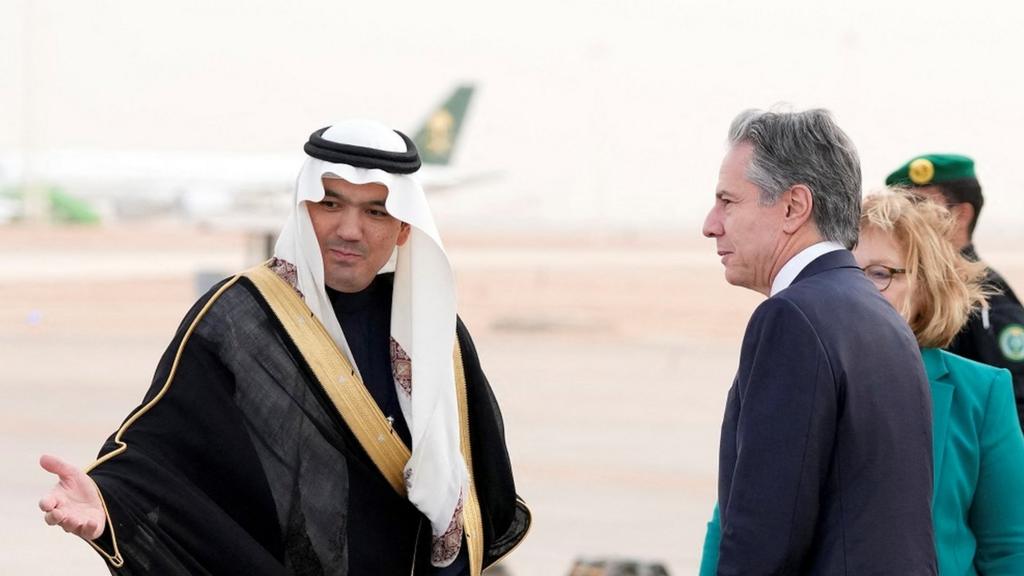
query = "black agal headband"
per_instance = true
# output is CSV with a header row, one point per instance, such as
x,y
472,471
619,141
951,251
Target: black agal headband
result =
x,y
394,162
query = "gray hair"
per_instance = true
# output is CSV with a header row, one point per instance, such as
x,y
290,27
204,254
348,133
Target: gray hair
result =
x,y
806,148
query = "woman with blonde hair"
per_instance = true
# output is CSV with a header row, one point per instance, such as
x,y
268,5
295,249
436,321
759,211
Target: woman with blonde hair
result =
x,y
978,448
977,503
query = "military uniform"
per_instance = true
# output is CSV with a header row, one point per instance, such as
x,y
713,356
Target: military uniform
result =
x,y
994,334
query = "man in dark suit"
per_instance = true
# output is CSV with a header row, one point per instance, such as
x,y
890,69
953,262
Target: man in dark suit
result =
x,y
825,463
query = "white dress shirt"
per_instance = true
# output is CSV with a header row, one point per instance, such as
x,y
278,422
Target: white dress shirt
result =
x,y
796,264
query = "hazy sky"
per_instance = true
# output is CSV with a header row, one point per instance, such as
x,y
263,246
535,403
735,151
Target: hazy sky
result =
x,y
598,112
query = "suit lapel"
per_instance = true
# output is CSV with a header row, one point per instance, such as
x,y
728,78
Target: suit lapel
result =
x,y
942,401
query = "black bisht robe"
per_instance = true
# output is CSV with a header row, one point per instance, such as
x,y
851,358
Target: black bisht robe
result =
x,y
238,463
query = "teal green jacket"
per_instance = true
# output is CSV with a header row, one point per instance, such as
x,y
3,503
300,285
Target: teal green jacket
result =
x,y
978,497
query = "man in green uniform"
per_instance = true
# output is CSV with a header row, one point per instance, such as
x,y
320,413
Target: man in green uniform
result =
x,y
995,334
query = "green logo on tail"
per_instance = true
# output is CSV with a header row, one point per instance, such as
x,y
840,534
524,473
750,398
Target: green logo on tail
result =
x,y
437,136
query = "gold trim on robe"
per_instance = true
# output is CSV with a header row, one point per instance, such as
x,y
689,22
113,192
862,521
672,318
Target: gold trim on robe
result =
x,y
346,392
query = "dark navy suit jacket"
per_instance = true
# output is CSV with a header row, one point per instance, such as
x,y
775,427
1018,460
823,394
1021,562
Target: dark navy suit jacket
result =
x,y
825,464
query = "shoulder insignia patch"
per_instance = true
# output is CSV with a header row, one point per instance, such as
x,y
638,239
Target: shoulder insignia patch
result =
x,y
1011,342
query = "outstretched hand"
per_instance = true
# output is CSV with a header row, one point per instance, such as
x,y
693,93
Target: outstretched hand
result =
x,y
74,503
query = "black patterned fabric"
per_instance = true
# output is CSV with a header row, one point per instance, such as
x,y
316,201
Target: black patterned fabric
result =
x,y
243,466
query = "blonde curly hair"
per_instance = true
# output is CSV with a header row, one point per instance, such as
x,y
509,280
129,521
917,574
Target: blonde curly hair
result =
x,y
943,285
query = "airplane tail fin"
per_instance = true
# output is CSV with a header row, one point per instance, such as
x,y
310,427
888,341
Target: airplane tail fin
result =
x,y
437,137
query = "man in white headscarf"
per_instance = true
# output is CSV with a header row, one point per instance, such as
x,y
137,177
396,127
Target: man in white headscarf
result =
x,y
314,415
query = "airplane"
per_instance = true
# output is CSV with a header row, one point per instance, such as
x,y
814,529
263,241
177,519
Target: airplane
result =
x,y
224,191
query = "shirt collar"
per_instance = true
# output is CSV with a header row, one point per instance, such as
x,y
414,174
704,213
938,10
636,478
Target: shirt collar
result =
x,y
791,269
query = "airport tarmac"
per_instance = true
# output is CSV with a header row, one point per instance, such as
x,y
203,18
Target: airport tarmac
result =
x,y
611,355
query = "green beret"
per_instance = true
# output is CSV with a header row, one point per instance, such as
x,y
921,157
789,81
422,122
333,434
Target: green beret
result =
x,y
932,169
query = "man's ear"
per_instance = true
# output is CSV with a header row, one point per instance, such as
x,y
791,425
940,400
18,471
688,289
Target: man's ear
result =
x,y
799,205
403,234
963,213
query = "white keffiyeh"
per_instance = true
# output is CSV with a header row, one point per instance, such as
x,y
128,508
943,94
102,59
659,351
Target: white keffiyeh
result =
x,y
423,312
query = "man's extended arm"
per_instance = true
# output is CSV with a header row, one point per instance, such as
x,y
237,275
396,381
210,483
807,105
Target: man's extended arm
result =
x,y
74,503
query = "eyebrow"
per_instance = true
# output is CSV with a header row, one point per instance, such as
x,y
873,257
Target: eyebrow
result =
x,y
886,263
334,194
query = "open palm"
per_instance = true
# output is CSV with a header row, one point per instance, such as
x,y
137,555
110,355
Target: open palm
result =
x,y
74,503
